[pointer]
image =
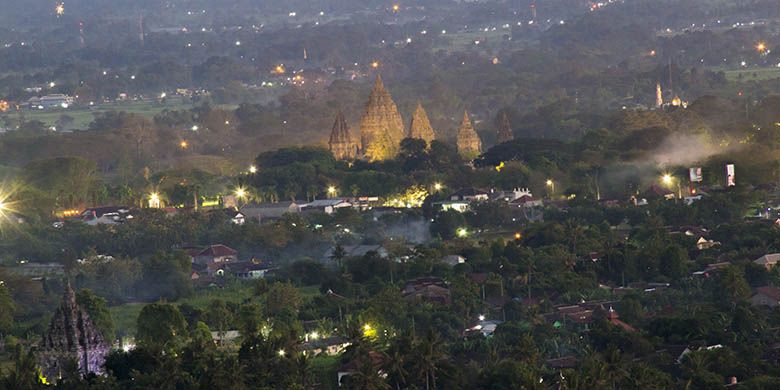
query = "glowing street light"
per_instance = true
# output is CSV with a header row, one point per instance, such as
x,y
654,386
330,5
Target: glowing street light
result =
x,y
154,200
252,169
462,232
438,186
240,193
396,7
184,145
550,183
281,353
375,64
668,180
332,191
761,47
481,317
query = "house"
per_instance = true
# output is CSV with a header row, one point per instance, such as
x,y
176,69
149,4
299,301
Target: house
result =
x,y
768,260
106,215
470,195
508,196
365,202
453,260
50,101
766,296
216,254
703,244
526,201
241,270
614,319
237,218
485,327
327,206
330,346
460,206
429,289
270,211
229,337
38,270
711,269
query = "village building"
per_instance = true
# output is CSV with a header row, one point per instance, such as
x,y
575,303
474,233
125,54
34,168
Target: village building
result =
x,y
766,296
216,254
768,260
263,212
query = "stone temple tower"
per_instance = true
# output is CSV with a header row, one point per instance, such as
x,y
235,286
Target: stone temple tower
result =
x,y
505,133
469,144
72,337
381,127
341,144
420,126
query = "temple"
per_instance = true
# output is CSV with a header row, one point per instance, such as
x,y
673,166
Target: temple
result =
x,y
420,126
72,339
505,133
381,127
341,144
469,144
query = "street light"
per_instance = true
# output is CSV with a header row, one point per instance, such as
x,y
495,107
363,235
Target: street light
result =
x,y
332,190
462,232
668,180
240,193
550,183
438,186
252,169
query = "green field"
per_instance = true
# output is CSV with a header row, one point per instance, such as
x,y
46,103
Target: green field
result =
x,y
82,116
761,74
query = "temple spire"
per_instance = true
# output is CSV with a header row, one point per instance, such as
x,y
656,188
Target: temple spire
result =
x,y
420,126
341,145
381,127
468,142
505,133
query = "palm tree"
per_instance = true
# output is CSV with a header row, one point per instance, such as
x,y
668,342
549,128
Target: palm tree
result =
x,y
428,355
574,231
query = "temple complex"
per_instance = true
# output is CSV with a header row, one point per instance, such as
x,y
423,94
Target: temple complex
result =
x,y
72,339
468,142
341,144
381,127
420,126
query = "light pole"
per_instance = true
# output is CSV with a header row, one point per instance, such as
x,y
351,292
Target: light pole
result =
x,y
551,184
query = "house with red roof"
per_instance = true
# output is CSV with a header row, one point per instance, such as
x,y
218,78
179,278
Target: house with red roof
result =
x,y
766,296
216,254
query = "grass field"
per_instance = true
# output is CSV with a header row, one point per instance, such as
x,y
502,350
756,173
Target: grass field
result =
x,y
761,74
82,116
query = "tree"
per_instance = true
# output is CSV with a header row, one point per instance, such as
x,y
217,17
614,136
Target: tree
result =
x,y
98,312
25,374
732,287
166,275
68,180
282,297
447,223
161,326
428,355
7,309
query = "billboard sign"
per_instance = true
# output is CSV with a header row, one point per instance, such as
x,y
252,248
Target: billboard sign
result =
x,y
730,173
695,175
